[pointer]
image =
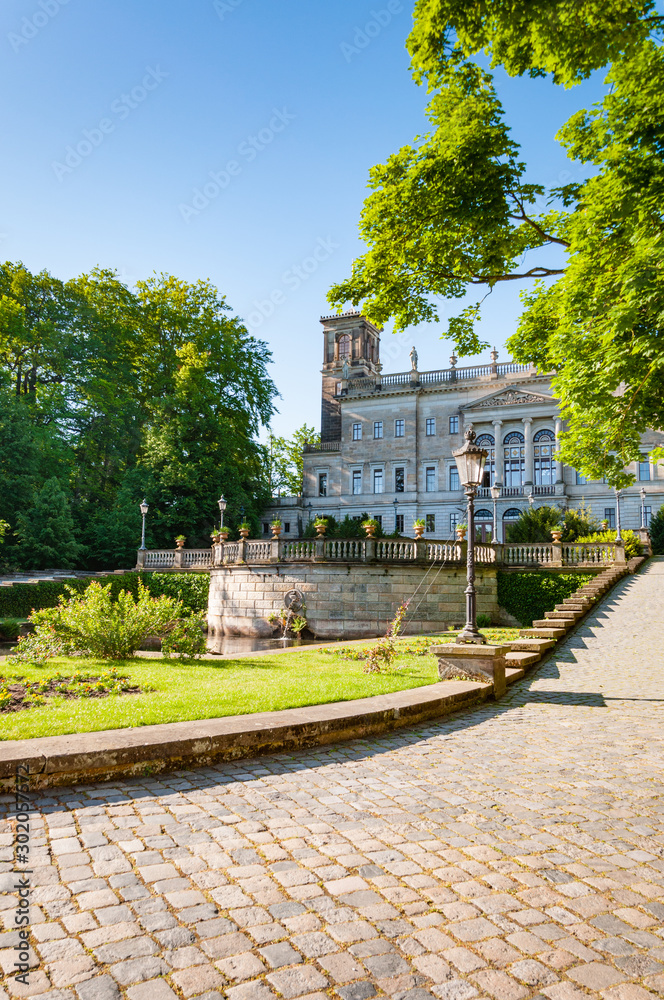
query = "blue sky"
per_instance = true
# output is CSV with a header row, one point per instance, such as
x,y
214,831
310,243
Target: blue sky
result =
x,y
230,140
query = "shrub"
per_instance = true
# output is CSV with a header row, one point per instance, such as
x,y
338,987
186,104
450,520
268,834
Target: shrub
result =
x,y
92,624
385,651
657,532
10,629
527,596
535,524
632,541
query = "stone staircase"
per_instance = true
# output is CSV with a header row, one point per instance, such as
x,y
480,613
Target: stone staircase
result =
x,y
536,641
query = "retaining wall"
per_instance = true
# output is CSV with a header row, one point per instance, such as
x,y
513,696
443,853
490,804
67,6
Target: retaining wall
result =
x,y
345,600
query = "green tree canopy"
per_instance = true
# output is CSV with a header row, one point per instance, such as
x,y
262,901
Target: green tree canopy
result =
x,y
283,460
453,211
47,537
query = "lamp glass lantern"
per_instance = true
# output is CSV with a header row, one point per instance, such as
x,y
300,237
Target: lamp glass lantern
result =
x,y
222,507
495,496
144,510
470,461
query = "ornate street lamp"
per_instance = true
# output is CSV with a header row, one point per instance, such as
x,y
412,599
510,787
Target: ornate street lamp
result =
x,y
618,534
222,507
144,511
395,502
470,462
642,491
495,495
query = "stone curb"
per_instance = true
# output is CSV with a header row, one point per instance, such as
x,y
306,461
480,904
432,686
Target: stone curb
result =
x,y
146,750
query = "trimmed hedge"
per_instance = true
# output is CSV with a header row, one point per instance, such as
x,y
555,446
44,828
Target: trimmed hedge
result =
x,y
527,596
21,599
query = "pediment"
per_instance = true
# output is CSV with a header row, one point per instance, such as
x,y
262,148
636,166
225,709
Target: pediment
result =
x,y
512,396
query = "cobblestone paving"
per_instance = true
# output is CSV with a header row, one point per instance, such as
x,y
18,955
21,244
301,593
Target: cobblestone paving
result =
x,y
511,852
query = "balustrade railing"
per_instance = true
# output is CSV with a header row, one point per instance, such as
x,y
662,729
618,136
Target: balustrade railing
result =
x,y
395,550
298,550
196,558
523,554
589,553
368,384
159,558
258,551
444,551
231,551
344,548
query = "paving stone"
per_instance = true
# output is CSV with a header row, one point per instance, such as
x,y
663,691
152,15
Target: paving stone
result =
x,y
103,988
357,991
278,955
295,982
596,976
194,981
154,989
244,966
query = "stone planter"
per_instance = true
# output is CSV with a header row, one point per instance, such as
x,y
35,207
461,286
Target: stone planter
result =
x,y
370,530
223,536
556,535
419,530
276,531
461,534
244,532
320,530
180,542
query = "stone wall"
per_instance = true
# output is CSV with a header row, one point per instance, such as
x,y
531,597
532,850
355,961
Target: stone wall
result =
x,y
345,600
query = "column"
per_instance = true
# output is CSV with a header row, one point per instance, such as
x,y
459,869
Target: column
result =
x,y
528,435
559,465
498,435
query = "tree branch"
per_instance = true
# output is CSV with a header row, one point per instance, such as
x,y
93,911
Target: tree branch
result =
x,y
524,217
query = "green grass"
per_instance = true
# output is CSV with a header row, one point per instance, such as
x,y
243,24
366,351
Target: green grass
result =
x,y
210,688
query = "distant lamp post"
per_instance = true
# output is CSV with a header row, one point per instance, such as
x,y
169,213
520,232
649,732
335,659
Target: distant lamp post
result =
x,y
495,496
618,531
144,511
222,507
470,461
395,504
642,491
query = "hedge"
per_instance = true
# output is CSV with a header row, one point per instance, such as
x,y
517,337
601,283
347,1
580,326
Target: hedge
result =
x,y
19,600
527,596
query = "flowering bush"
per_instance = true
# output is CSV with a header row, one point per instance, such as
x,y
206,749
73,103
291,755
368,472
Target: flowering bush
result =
x,y
385,651
91,624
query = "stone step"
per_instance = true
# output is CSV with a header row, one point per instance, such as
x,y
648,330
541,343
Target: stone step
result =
x,y
513,674
532,644
562,624
576,606
573,615
543,632
522,659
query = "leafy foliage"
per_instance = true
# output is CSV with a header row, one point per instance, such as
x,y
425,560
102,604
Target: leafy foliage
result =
x,y
631,540
92,624
528,596
657,532
454,211
382,655
46,531
17,693
535,524
283,460
10,629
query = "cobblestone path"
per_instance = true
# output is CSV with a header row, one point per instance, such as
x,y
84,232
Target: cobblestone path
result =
x,y
511,852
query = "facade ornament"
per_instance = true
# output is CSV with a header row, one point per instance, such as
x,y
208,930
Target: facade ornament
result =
x,y
413,359
509,398
494,356
453,361
345,370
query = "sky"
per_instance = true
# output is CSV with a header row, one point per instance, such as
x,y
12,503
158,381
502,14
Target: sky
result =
x,y
230,140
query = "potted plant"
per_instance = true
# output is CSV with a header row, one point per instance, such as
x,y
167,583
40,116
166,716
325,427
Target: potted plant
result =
x,y
461,530
245,528
276,527
556,534
223,534
215,537
371,526
180,540
604,525
320,524
418,525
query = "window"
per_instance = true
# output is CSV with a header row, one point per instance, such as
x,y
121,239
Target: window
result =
x,y
644,469
399,522
580,479
430,479
454,425
487,442
378,429
647,514
378,481
431,426
337,389
287,527
454,479
399,428
610,516
515,459
357,432
379,518
513,514
543,448
322,484
357,481
454,520
430,522
399,480
266,528
345,345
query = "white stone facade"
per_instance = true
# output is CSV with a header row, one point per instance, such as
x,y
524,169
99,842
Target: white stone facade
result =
x,y
389,452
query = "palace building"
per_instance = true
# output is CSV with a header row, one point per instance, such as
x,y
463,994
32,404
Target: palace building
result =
x,y
387,442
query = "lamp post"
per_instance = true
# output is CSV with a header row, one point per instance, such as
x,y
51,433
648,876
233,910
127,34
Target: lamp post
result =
x,y
470,462
395,504
222,507
495,494
144,510
642,491
618,534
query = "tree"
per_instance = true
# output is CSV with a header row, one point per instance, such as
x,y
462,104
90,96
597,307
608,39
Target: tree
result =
x,y
657,532
46,531
284,463
453,211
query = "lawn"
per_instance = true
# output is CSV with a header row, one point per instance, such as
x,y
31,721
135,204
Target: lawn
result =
x,y
175,692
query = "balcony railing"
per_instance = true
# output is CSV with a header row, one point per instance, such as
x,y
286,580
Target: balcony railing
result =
x,y
370,383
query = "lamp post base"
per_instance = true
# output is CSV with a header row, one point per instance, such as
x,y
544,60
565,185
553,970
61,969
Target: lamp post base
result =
x,y
471,634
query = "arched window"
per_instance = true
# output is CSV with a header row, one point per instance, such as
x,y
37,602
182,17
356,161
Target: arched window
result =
x,y
483,515
515,459
543,448
487,442
345,345
513,514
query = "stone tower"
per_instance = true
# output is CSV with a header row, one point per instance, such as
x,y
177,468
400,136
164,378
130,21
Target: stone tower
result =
x,y
349,339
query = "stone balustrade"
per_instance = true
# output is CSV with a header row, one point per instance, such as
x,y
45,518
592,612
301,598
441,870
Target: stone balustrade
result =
x,y
548,555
